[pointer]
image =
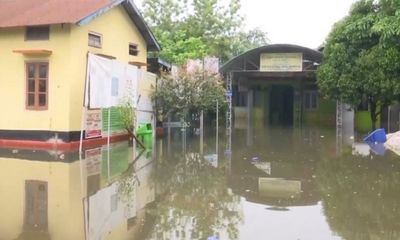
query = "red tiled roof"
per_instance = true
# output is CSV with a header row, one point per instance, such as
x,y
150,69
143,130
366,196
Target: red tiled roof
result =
x,y
15,13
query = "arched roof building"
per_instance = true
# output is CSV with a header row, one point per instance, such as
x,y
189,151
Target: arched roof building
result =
x,y
276,85
250,60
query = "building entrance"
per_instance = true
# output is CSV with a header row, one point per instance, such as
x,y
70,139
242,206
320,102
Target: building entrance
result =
x,y
281,105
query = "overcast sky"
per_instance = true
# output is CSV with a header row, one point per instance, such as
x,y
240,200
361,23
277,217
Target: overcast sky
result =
x,y
302,22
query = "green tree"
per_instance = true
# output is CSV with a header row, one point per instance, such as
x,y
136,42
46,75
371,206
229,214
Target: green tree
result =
x,y
388,21
178,46
362,57
248,40
186,93
196,28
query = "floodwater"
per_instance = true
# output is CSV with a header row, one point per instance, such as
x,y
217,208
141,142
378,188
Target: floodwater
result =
x,y
273,184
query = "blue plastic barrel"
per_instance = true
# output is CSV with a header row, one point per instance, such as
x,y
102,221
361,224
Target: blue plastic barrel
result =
x,y
377,136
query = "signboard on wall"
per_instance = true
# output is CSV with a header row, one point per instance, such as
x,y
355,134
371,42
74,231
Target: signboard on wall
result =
x,y
281,62
93,124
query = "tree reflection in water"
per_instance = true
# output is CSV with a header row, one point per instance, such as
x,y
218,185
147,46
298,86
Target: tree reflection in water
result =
x,y
194,202
361,196
127,185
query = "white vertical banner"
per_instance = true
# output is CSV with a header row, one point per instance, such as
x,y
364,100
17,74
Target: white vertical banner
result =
x,y
194,66
109,81
132,83
211,65
146,86
97,93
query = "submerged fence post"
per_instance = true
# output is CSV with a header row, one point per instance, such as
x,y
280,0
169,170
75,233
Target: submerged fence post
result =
x,y
183,132
169,135
201,131
216,133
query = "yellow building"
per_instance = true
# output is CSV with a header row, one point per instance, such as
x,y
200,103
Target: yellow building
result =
x,y
44,50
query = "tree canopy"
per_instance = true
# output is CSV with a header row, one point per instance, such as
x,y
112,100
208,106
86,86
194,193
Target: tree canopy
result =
x,y
197,28
184,92
362,56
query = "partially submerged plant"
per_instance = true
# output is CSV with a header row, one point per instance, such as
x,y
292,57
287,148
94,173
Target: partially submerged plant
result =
x,y
127,114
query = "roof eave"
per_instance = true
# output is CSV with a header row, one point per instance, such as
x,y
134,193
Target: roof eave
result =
x,y
134,14
98,12
5,26
137,18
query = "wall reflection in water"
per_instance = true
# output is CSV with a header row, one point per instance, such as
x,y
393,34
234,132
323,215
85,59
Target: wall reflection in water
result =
x,y
288,179
50,195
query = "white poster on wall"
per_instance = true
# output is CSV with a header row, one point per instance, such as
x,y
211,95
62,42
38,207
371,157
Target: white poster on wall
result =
x,y
108,82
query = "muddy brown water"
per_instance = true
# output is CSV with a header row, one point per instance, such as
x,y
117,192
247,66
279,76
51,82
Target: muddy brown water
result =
x,y
279,183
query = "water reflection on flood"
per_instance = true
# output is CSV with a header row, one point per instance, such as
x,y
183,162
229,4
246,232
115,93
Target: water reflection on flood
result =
x,y
49,195
289,184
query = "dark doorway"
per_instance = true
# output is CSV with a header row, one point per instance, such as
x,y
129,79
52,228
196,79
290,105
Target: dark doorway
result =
x,y
281,105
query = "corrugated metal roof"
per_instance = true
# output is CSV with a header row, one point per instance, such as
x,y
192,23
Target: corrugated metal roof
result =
x,y
15,13
253,55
